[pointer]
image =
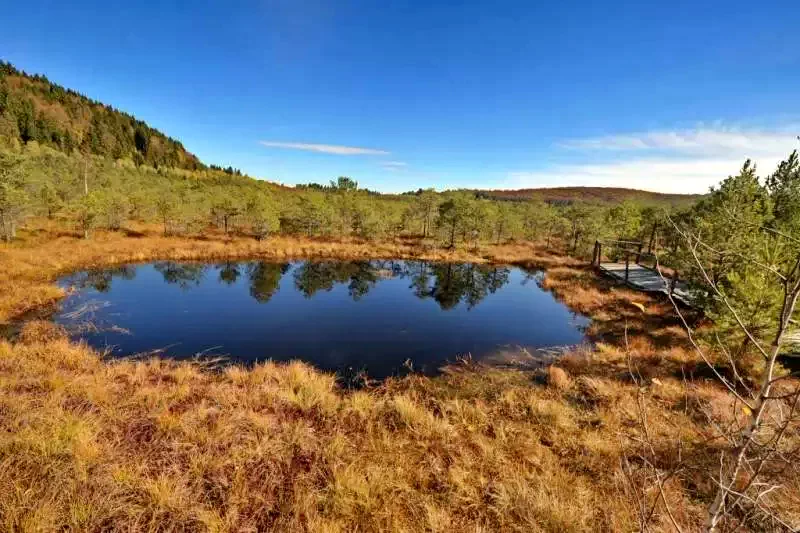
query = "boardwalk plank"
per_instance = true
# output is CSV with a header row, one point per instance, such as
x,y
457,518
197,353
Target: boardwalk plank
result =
x,y
647,280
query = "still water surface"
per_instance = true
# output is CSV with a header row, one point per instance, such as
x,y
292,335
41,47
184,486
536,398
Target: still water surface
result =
x,y
375,316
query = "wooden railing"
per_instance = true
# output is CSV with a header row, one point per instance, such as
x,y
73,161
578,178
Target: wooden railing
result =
x,y
627,247
630,249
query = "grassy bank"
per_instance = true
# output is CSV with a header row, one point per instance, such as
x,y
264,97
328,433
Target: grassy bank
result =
x,y
90,444
169,446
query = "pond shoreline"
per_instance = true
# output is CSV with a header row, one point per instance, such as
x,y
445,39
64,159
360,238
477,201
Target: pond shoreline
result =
x,y
34,263
368,316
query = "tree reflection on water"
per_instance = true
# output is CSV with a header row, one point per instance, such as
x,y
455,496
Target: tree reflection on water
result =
x,y
185,275
264,279
312,277
446,283
100,279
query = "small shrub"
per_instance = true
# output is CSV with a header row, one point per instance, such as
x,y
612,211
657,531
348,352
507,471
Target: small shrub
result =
x,y
557,378
41,331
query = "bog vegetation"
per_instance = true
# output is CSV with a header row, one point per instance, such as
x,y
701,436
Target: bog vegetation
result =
x,y
628,436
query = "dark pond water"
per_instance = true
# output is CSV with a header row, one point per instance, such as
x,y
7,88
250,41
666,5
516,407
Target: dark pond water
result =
x,y
376,316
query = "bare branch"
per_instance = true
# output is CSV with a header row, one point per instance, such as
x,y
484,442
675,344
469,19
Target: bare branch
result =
x,y
747,453
696,346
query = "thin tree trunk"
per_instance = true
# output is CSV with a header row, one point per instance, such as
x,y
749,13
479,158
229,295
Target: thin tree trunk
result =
x,y
717,509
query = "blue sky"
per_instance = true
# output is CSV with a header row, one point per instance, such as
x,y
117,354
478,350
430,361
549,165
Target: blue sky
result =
x,y
668,96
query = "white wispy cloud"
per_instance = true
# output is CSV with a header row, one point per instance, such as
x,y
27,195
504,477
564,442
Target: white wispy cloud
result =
x,y
325,148
680,161
394,165
701,141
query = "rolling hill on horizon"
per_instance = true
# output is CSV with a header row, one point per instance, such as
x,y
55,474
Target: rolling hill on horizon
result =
x,y
590,194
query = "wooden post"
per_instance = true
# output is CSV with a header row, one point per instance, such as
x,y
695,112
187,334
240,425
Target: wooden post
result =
x,y
639,253
652,238
595,255
627,265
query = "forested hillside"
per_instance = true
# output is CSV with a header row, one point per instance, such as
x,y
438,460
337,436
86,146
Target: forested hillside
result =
x,y
32,108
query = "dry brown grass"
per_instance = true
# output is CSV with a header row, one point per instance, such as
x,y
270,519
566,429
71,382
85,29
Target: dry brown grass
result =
x,y
87,445
90,444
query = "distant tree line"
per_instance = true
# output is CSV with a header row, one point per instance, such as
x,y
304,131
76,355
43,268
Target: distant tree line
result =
x,y
89,192
227,170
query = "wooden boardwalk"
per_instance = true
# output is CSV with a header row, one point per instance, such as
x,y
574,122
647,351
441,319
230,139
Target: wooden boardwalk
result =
x,y
647,280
